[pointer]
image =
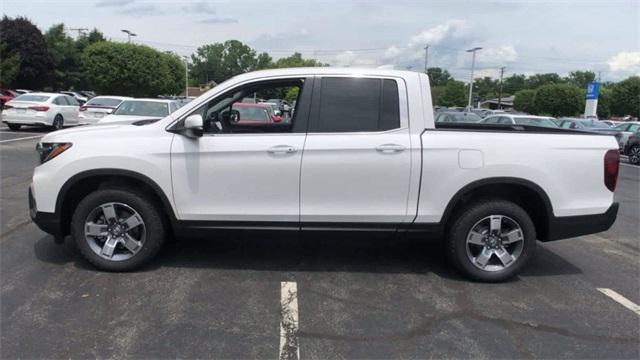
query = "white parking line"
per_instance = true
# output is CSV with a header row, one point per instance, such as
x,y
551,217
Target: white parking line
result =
x,y
621,300
289,347
22,138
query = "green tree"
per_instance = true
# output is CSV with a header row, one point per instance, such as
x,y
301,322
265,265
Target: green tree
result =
x,y
513,84
451,94
221,61
525,101
625,97
9,66
537,80
66,58
604,103
486,88
581,78
438,76
23,38
296,60
559,100
133,70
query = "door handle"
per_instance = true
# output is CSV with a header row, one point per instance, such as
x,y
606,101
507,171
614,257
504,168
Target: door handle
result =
x,y
282,149
390,148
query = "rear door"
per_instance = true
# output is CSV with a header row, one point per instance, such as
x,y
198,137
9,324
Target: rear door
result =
x,y
356,160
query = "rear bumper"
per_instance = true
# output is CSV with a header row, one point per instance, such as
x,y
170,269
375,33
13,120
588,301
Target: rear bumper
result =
x,y
47,222
571,226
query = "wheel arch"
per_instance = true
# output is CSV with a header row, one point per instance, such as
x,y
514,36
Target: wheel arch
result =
x,y
528,195
81,184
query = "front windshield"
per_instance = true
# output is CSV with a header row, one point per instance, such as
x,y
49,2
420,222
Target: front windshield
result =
x,y
143,108
111,102
543,122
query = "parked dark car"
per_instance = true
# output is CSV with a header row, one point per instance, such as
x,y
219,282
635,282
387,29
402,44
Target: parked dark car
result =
x,y
632,148
590,125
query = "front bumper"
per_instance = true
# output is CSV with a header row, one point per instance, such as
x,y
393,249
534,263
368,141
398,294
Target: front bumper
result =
x,y
47,222
572,226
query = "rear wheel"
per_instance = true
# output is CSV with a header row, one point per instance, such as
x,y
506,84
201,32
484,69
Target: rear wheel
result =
x,y
634,155
491,240
58,122
117,229
14,127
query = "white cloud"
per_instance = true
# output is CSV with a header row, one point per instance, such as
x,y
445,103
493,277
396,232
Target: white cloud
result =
x,y
349,58
625,61
497,55
436,34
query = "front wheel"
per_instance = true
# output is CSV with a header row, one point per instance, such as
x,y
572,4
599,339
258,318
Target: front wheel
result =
x,y
117,229
634,155
491,240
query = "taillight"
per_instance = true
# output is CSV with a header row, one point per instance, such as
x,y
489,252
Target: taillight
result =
x,y
611,166
7,107
39,108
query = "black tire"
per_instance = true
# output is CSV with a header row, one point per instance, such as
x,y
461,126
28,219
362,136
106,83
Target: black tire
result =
x,y
464,221
14,127
58,122
634,155
153,221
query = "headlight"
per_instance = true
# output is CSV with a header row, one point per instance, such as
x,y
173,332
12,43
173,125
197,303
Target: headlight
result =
x,y
48,151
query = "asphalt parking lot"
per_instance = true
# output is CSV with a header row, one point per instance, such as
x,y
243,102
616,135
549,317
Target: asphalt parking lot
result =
x,y
355,297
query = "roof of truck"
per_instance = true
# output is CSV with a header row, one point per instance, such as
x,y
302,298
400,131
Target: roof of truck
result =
x,y
328,71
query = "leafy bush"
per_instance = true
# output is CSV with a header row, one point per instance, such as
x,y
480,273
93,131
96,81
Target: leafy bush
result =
x,y
559,100
132,70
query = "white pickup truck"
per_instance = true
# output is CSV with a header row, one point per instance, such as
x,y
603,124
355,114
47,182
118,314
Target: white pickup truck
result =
x,y
359,152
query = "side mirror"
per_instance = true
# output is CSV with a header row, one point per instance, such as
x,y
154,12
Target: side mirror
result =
x,y
193,126
276,118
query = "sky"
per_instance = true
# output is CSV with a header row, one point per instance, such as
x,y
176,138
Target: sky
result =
x,y
525,37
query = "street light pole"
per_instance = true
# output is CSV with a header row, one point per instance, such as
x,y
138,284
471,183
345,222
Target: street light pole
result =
x,y
186,76
129,34
473,64
426,57
500,91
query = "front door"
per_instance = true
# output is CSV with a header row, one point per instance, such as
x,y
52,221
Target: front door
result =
x,y
241,174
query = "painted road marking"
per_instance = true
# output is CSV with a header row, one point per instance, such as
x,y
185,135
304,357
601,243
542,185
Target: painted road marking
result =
x,y
621,300
289,347
22,138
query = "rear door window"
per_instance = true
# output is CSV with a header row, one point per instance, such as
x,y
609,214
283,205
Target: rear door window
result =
x,y
356,104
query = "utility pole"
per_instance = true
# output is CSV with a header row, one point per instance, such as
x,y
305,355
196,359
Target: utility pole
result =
x,y
186,76
473,64
500,91
129,34
80,31
426,58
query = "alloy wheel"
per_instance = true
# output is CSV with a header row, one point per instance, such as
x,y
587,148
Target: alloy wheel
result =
x,y
634,155
115,231
494,243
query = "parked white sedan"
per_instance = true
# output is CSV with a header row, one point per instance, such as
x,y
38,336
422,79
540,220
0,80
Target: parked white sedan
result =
x,y
99,107
41,109
141,109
